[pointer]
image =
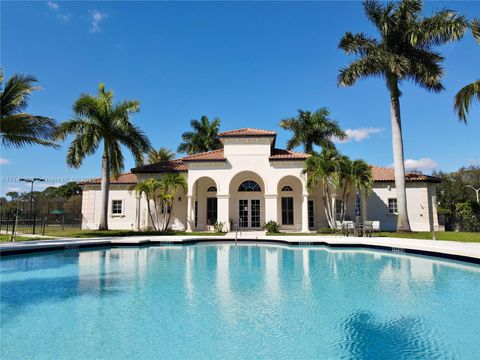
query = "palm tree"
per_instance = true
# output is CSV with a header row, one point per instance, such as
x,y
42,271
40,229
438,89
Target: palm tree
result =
x,y
470,92
311,129
149,188
18,128
204,136
403,52
161,155
320,168
98,120
172,182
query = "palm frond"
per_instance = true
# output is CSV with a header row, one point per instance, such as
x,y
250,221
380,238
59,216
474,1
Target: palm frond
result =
x,y
465,97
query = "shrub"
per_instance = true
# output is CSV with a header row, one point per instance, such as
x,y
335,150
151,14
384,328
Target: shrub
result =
x,y
218,226
272,227
468,216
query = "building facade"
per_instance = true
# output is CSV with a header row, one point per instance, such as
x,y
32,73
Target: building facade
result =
x,y
250,182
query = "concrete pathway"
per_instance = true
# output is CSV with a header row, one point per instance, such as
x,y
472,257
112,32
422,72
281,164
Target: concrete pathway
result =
x,y
449,249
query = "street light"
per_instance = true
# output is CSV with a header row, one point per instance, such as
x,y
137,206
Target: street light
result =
x,y
31,180
476,191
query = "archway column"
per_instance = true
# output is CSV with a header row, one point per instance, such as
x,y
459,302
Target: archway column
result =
x,y
305,213
223,210
271,212
190,214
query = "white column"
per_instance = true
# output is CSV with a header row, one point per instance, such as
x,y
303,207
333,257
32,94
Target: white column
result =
x,y
223,210
190,214
271,207
305,213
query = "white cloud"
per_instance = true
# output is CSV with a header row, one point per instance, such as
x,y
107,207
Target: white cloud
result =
x,y
422,164
56,8
4,161
14,189
358,134
96,18
52,5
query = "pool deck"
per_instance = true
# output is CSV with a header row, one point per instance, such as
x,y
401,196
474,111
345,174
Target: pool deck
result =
x,y
447,249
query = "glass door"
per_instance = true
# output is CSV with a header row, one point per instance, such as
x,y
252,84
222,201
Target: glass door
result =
x,y
255,213
243,213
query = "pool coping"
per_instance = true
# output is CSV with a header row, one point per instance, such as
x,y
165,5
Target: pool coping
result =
x,y
460,251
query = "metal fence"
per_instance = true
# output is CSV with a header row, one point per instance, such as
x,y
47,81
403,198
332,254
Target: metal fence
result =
x,y
39,224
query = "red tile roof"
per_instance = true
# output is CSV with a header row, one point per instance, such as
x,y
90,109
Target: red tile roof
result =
x,y
245,132
127,178
281,154
214,155
176,165
388,174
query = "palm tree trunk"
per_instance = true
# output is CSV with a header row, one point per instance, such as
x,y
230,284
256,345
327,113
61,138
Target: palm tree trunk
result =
x,y
150,214
105,187
398,160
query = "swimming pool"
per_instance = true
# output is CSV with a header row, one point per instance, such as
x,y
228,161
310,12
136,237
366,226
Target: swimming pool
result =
x,y
220,301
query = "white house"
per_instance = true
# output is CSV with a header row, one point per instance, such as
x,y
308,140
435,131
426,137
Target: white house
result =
x,y
250,181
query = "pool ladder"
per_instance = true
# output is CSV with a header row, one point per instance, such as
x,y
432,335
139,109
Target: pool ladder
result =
x,y
236,230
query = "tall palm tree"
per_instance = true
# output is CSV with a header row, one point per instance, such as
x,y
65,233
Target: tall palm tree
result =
x,y
402,52
203,137
471,92
98,121
161,155
311,129
18,128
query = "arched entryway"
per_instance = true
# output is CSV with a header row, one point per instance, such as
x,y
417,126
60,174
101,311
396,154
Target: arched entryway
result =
x,y
205,204
247,202
289,203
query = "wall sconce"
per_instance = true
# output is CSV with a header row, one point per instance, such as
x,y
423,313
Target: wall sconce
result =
x,y
179,198
389,187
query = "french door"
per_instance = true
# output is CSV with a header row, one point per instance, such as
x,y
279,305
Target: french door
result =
x,y
249,213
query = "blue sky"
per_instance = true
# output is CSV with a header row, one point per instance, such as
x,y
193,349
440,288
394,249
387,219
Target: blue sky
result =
x,y
249,63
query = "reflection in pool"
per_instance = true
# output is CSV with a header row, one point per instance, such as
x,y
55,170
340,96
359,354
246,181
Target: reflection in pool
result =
x,y
250,301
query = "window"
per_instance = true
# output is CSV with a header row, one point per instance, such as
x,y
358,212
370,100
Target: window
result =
x,y
168,207
249,185
212,189
287,210
338,209
195,213
287,188
311,214
211,210
117,207
392,206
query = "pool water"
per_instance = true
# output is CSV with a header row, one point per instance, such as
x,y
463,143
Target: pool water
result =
x,y
223,301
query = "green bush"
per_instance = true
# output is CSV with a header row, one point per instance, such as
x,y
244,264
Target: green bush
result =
x,y
272,227
468,216
218,227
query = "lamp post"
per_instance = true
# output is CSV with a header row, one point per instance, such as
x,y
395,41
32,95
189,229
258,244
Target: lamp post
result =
x,y
31,180
476,191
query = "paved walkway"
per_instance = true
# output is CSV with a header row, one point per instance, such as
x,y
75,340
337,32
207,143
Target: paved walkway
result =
x,y
449,249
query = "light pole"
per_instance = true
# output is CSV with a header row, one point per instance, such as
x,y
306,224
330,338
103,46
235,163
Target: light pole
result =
x,y
32,180
476,191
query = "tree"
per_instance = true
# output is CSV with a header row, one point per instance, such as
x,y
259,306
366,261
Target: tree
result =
x,y
18,128
204,136
149,188
471,92
320,168
311,129
13,195
161,155
172,182
98,121
403,52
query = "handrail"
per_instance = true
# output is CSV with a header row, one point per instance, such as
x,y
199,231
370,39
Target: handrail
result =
x,y
236,230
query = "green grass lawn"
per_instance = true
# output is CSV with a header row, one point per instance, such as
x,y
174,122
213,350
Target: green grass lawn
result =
x,y
426,235
6,238
443,235
106,233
